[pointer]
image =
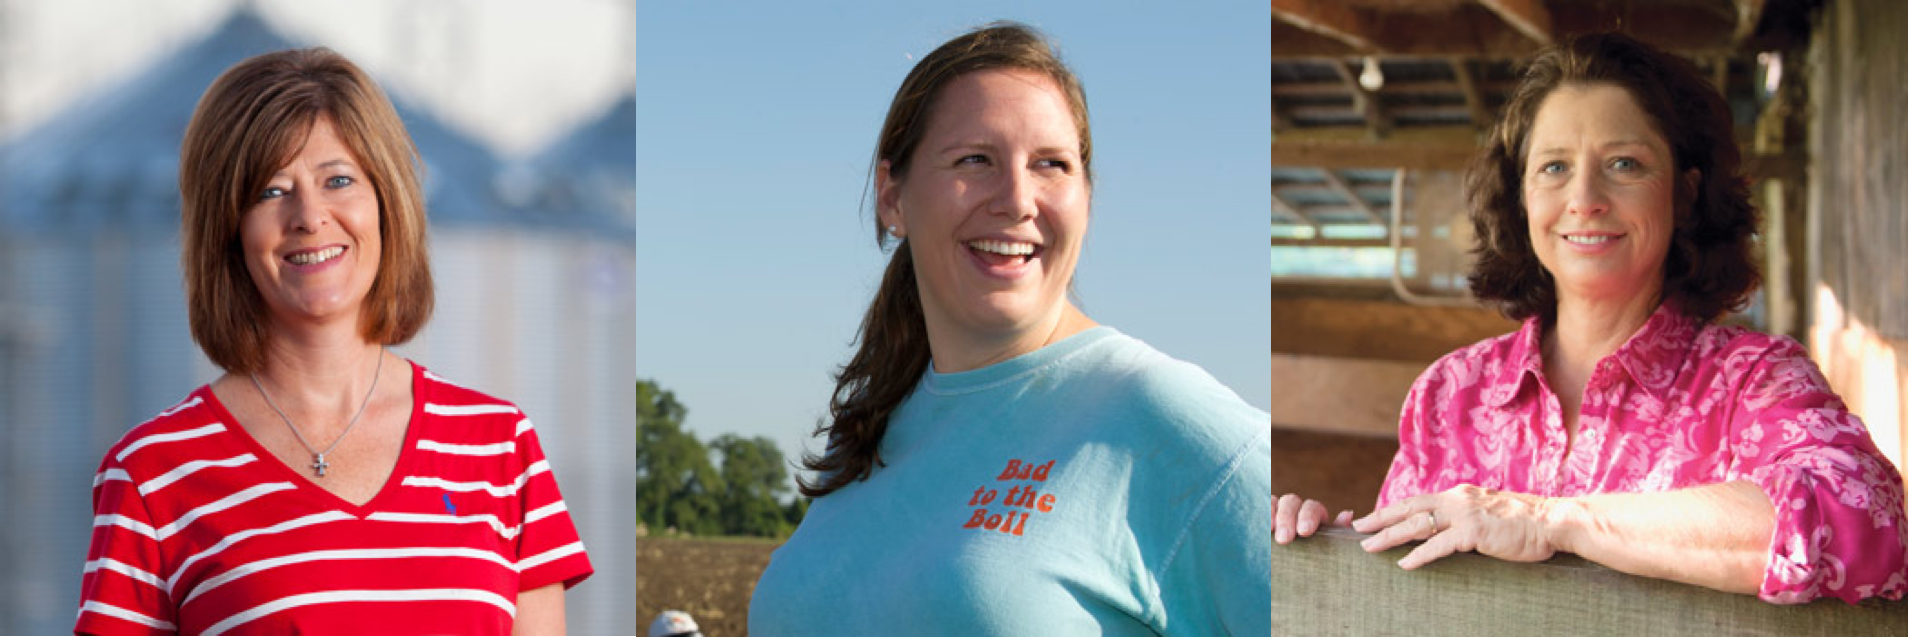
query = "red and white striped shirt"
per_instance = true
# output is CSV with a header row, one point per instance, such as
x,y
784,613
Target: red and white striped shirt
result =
x,y
198,529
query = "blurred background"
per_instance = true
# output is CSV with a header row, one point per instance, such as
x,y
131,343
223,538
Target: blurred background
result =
x,y
1376,117
756,257
525,117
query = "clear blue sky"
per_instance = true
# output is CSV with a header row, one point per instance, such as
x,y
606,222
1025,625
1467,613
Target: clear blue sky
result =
x,y
755,253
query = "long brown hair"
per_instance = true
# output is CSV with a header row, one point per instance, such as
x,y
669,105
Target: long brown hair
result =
x,y
1710,268
249,123
893,351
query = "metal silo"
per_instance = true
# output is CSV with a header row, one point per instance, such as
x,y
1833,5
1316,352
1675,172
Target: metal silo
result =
x,y
534,305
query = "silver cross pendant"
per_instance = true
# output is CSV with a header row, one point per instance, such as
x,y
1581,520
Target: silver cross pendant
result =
x,y
320,465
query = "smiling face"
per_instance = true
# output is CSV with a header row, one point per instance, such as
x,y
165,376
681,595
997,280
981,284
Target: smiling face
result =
x,y
994,206
1599,189
311,239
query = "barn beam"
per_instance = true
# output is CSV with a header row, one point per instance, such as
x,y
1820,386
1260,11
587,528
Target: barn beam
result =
x,y
1748,15
1329,18
1344,189
1473,97
1416,148
1291,211
1528,17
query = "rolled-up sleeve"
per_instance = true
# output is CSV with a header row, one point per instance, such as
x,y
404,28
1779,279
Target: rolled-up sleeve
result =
x,y
1409,466
1839,527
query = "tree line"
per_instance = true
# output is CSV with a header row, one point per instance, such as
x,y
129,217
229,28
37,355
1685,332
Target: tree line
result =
x,y
679,486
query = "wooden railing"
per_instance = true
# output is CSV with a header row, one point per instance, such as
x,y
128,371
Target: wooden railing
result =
x,y
1328,585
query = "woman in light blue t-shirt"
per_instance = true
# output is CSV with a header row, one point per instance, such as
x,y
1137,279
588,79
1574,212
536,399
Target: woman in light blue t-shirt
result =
x,y
998,463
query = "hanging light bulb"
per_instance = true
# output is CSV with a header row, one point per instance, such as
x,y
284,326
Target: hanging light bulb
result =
x,y
1772,79
1372,78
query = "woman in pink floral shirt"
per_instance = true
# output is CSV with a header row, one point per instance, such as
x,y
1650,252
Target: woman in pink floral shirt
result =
x,y
1621,423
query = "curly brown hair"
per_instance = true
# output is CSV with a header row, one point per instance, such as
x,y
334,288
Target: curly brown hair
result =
x,y
1710,269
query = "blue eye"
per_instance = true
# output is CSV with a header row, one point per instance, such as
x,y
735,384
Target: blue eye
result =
x,y
971,159
339,182
1551,168
1625,163
272,192
1061,164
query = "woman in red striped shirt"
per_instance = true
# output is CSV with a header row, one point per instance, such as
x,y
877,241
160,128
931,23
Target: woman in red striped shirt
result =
x,y
322,484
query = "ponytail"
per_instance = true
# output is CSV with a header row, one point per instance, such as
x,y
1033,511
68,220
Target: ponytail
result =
x,y
893,352
892,357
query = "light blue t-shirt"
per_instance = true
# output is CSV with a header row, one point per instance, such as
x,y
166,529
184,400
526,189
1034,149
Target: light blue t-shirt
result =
x,y
1095,486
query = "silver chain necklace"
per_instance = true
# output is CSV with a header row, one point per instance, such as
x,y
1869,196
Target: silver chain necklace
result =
x,y
318,463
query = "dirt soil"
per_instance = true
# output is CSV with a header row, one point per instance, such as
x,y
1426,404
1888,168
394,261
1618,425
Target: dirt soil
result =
x,y
709,579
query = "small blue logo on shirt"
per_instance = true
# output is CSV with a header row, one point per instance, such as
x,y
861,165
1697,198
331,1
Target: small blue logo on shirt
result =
x,y
448,507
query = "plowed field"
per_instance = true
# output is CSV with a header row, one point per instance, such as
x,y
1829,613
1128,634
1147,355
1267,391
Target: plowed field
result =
x,y
709,579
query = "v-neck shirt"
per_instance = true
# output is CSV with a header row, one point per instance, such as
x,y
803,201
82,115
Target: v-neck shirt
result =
x,y
301,472
199,529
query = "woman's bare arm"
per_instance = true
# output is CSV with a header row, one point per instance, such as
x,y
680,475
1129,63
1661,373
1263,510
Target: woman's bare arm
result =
x,y
540,611
1715,535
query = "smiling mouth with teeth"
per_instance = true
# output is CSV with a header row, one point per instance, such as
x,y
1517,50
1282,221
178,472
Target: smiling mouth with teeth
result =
x,y
1005,248
1588,240
315,256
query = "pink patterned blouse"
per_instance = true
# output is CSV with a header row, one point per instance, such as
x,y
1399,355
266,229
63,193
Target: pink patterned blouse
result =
x,y
1679,405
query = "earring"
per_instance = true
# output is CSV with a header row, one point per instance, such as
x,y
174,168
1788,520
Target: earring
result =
x,y
894,232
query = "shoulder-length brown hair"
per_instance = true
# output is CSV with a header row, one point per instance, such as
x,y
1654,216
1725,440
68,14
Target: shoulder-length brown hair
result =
x,y
893,351
251,122
1710,268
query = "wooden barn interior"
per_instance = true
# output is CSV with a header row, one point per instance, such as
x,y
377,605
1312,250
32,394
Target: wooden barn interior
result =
x,y
1378,105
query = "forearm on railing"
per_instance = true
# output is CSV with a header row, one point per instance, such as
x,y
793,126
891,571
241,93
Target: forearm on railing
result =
x,y
1714,535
